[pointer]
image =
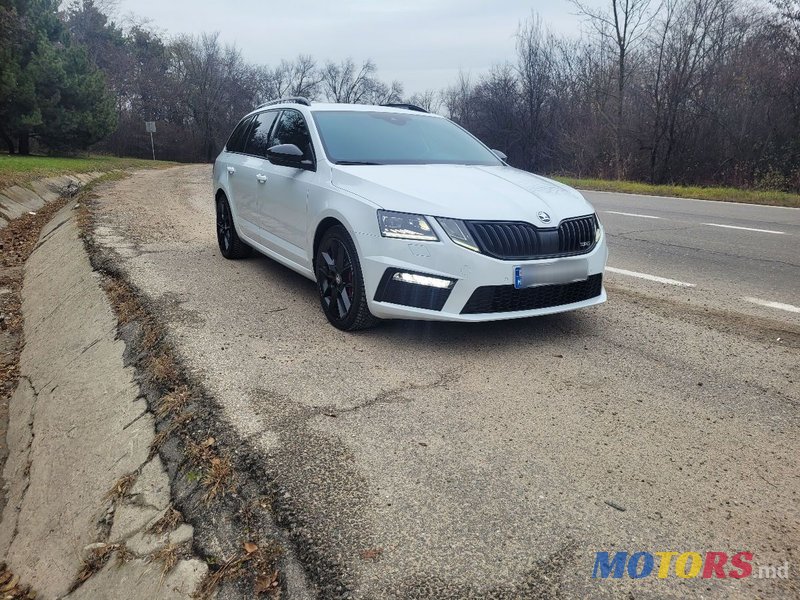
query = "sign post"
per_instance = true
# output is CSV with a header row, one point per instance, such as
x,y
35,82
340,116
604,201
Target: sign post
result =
x,y
150,127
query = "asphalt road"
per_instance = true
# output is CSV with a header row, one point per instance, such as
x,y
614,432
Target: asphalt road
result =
x,y
493,460
741,253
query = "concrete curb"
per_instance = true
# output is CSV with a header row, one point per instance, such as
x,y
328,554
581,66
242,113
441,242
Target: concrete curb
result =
x,y
77,425
16,200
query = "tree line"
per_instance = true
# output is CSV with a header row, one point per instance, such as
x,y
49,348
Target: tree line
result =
x,y
678,91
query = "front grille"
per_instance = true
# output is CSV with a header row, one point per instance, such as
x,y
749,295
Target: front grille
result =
x,y
507,298
576,236
516,240
410,294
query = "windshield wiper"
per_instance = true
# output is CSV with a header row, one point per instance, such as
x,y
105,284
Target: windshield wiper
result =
x,y
355,162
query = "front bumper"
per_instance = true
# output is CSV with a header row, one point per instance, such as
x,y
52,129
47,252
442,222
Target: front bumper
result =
x,y
470,271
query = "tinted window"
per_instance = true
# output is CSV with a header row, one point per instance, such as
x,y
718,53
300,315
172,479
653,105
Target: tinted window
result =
x,y
397,138
236,141
258,138
292,129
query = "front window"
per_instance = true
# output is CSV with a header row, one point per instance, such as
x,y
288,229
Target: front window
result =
x,y
292,129
389,138
257,141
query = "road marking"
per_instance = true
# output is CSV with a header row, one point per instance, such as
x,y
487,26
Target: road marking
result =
x,y
650,277
624,214
770,304
745,228
658,196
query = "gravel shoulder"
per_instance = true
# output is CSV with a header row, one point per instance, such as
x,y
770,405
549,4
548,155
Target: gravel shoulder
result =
x,y
425,460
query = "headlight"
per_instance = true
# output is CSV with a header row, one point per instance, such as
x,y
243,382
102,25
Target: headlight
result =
x,y
458,232
598,232
405,226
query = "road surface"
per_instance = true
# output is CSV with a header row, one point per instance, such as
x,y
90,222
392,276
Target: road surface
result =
x,y
740,253
493,460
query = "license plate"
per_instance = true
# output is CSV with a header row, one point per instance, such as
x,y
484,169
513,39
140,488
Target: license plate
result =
x,y
563,271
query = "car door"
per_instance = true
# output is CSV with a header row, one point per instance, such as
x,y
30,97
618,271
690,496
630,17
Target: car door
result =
x,y
251,174
284,207
233,160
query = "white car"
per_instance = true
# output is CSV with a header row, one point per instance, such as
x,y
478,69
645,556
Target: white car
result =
x,y
398,213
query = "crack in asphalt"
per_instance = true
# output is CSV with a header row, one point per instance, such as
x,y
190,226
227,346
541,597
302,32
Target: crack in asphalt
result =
x,y
395,395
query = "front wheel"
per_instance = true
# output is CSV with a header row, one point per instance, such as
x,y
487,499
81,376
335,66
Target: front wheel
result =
x,y
341,282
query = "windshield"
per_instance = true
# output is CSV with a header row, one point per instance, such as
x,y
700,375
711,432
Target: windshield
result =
x,y
388,138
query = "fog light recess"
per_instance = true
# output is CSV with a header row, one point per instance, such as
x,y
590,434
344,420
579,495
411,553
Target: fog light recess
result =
x,y
418,290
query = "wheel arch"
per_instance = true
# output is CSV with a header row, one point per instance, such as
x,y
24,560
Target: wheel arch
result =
x,y
323,226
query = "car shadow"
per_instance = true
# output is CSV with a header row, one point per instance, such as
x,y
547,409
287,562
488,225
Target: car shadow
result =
x,y
574,324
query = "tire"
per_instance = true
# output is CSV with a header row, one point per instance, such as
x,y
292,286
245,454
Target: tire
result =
x,y
340,282
230,245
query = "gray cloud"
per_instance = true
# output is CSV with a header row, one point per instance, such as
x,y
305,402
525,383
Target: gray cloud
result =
x,y
423,43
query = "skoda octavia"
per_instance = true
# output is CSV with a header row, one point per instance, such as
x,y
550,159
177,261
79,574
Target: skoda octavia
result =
x,y
398,213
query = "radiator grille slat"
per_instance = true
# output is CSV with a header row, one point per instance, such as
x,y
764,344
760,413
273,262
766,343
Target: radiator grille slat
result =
x,y
516,240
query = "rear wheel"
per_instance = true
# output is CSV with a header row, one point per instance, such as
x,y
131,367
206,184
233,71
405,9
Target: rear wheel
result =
x,y
341,282
229,243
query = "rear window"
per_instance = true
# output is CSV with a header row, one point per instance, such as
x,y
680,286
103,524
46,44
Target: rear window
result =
x,y
236,141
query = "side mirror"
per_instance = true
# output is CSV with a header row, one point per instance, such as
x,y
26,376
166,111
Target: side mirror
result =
x,y
288,155
500,155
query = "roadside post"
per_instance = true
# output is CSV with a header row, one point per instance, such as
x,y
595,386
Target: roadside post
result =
x,y
150,127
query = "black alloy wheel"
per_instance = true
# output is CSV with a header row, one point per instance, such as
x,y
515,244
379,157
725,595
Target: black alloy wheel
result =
x,y
229,243
340,282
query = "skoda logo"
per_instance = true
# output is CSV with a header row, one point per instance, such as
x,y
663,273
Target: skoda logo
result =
x,y
543,217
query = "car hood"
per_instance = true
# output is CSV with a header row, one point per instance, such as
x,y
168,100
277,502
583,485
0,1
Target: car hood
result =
x,y
462,191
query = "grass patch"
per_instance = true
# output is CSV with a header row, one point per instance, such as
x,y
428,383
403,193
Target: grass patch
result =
x,y
92,563
722,194
174,401
168,556
218,472
121,487
20,170
171,519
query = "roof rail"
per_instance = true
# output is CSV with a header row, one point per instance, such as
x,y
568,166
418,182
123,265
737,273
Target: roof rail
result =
x,y
413,107
290,100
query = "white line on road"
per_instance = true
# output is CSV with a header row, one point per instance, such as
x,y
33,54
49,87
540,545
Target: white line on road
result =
x,y
745,228
770,304
650,277
656,196
624,214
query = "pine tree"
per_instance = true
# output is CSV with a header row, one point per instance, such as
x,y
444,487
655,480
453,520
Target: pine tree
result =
x,y
48,87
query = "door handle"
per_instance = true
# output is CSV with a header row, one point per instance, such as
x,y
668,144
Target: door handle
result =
x,y
231,170
261,178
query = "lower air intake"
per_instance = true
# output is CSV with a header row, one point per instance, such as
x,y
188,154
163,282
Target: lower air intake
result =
x,y
507,298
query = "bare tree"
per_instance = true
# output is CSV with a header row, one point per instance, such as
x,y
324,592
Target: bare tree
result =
x,y
689,44
300,77
430,100
623,25
535,69
216,87
345,82
458,99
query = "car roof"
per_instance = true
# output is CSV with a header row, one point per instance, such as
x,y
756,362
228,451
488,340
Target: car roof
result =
x,y
343,107
329,106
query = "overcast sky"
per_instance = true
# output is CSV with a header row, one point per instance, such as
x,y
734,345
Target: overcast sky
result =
x,y
422,43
